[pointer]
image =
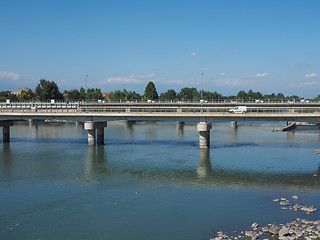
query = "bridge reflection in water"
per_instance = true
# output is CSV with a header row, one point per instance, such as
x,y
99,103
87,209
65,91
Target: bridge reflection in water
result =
x,y
205,174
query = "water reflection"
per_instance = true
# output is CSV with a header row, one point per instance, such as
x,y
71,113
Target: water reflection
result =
x,y
96,161
234,133
180,128
204,168
129,126
6,161
290,137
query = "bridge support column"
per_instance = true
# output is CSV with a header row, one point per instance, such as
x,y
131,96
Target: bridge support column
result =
x,y
91,137
234,124
204,134
100,136
6,130
129,125
179,127
91,127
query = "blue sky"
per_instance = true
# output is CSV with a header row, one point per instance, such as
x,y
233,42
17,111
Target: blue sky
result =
x,y
267,46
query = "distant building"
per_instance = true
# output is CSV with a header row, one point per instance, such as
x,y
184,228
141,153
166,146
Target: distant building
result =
x,y
105,95
22,89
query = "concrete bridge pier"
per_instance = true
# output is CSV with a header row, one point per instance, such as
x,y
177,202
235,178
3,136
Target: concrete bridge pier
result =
x,y
180,127
129,125
234,124
91,127
204,134
6,130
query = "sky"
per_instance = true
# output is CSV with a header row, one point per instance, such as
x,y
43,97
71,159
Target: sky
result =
x,y
269,46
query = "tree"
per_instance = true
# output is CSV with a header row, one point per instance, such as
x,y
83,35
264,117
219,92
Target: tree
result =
x,y
188,94
4,95
151,92
82,94
26,96
74,94
132,96
94,94
168,95
211,96
48,90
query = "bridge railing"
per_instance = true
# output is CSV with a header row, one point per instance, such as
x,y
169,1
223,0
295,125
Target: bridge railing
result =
x,y
151,108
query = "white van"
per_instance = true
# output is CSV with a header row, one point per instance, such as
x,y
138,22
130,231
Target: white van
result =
x,y
239,109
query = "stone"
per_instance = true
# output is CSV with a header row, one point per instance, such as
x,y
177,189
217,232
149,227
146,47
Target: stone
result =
x,y
284,231
251,234
294,197
284,203
274,229
254,225
296,207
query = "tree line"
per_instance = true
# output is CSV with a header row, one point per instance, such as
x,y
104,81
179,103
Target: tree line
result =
x,y
49,90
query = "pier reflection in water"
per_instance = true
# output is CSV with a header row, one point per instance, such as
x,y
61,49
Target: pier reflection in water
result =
x,y
204,169
96,163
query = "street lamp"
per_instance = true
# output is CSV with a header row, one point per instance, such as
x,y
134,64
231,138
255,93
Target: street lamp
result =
x,y
201,100
86,92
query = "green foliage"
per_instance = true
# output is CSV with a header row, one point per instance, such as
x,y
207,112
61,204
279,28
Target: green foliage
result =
x,y
124,95
211,96
168,95
4,95
82,94
26,96
94,94
190,94
242,95
151,92
74,94
48,90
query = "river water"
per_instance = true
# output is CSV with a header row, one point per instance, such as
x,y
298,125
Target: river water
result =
x,y
151,181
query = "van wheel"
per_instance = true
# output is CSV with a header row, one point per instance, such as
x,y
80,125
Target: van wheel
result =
x,y
244,111
232,111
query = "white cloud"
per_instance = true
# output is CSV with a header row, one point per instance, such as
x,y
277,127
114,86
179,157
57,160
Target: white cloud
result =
x,y
311,75
309,83
258,75
303,65
222,74
231,82
193,54
9,75
130,79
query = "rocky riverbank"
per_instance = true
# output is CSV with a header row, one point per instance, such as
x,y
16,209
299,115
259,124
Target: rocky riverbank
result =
x,y
297,229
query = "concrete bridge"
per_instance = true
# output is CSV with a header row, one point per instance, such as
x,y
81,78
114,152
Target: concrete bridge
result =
x,y
96,115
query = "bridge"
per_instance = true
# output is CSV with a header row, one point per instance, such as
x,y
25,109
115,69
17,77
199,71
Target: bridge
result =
x,y
96,115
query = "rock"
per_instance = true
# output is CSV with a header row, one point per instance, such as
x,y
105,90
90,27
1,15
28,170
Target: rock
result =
x,y
298,233
276,200
220,233
308,209
284,203
284,231
274,229
251,234
294,197
265,229
254,225
297,207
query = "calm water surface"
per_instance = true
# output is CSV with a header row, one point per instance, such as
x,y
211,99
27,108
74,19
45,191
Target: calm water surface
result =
x,y
150,181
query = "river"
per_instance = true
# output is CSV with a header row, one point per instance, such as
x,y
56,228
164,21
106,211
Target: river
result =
x,y
150,181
